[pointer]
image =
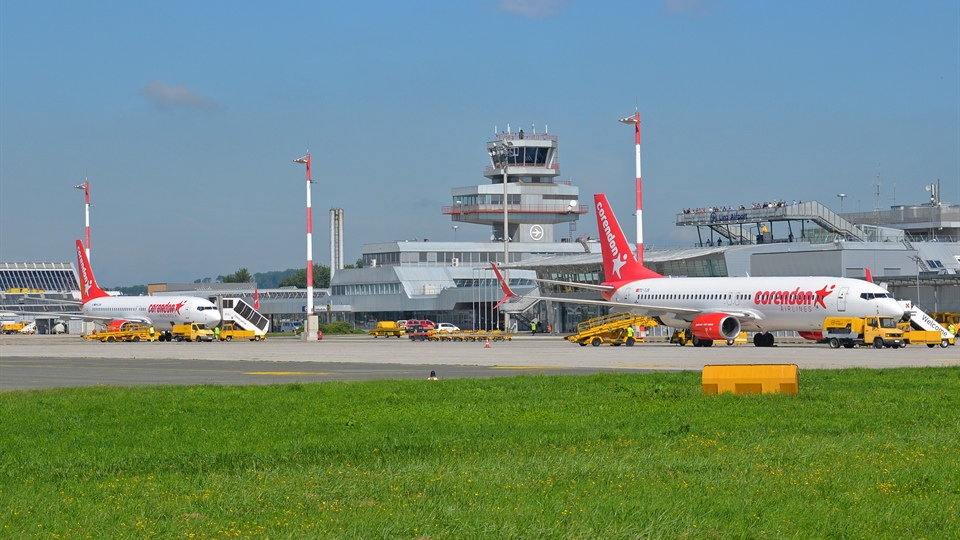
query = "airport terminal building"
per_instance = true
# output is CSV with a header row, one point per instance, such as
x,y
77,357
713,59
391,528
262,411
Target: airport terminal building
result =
x,y
532,216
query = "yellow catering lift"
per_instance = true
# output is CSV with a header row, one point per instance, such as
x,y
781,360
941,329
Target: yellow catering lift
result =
x,y
611,329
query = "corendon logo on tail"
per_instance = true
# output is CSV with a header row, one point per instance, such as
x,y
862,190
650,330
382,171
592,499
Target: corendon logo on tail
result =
x,y
619,260
167,308
84,273
795,300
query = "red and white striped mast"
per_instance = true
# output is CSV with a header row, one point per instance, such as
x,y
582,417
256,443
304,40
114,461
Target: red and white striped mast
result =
x,y
306,160
85,186
635,120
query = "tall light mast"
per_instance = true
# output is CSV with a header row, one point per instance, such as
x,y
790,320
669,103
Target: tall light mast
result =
x,y
85,186
635,120
309,333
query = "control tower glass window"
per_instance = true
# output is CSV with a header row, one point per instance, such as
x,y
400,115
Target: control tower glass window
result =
x,y
528,155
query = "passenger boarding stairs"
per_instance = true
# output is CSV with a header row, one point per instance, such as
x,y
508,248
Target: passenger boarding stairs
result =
x,y
921,321
243,315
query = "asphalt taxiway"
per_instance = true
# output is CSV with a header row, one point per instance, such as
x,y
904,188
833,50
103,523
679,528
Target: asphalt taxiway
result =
x,y
29,362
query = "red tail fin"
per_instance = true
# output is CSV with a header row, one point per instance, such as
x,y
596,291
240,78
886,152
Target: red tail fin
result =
x,y
88,285
507,292
869,277
619,264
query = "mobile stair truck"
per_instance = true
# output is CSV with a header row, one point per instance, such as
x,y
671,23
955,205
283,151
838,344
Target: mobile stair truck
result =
x,y
850,332
922,329
230,331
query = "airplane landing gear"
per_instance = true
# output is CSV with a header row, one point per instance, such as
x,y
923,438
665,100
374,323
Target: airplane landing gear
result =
x,y
764,339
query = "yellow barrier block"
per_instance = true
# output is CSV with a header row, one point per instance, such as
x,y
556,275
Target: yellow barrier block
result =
x,y
751,379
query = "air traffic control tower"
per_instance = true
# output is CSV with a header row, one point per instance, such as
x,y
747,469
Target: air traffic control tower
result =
x,y
535,199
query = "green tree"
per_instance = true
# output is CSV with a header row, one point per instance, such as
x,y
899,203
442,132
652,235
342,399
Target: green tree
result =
x,y
272,279
133,290
321,278
240,276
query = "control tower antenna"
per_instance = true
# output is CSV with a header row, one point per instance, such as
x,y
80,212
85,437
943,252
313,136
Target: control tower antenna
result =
x,y
635,120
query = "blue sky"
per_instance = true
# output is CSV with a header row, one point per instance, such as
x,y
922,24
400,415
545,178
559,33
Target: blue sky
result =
x,y
186,116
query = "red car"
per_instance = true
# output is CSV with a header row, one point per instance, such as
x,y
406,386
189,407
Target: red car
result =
x,y
419,328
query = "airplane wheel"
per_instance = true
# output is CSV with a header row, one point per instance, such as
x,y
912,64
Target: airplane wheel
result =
x,y
758,340
834,343
596,342
878,343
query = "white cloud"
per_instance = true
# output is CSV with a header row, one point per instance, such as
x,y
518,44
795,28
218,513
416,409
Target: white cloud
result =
x,y
160,93
696,8
533,9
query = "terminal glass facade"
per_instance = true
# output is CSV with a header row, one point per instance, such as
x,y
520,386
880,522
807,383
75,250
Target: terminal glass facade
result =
x,y
20,276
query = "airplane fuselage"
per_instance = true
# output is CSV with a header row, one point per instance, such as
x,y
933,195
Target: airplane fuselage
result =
x,y
161,311
764,304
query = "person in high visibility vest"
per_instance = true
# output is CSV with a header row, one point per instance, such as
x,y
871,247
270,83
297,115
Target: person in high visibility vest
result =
x,y
630,332
153,334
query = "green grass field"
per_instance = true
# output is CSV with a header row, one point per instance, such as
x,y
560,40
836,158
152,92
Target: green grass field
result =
x,y
858,454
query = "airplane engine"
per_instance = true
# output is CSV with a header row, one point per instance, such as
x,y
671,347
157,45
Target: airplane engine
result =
x,y
813,336
114,325
716,326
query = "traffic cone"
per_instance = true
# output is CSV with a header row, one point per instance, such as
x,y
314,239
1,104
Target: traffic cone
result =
x,y
487,346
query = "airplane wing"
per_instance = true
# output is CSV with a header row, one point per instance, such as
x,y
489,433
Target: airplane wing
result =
x,y
588,286
42,300
78,315
651,310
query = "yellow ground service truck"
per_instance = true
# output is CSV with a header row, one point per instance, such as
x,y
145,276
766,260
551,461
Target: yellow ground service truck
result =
x,y
128,331
13,327
879,332
191,332
930,338
387,329
230,331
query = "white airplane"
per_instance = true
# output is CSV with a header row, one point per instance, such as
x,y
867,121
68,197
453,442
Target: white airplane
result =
x,y
719,308
160,311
